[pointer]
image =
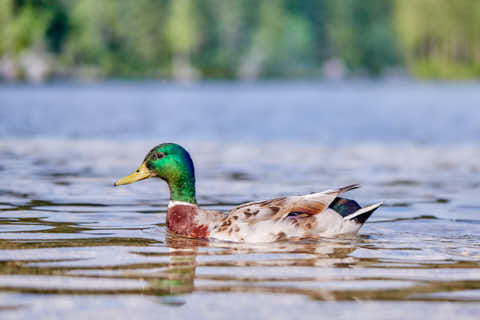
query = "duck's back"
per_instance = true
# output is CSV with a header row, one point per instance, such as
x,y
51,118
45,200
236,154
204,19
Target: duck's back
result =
x,y
318,214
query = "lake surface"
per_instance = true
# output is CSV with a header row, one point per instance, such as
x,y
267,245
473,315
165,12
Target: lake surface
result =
x,y
73,246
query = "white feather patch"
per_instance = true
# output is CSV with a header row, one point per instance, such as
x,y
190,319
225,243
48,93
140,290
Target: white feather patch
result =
x,y
362,210
182,203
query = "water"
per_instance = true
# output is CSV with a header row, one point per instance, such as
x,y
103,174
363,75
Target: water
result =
x,y
72,246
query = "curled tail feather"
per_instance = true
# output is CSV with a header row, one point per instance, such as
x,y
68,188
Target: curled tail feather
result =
x,y
339,191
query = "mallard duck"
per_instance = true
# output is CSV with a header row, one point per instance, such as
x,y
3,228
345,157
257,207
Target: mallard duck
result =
x,y
312,215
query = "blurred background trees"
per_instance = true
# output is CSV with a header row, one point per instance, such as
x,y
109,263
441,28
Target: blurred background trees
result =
x,y
440,38
247,39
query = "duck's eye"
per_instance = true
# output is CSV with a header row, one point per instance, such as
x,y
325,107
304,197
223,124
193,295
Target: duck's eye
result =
x,y
158,155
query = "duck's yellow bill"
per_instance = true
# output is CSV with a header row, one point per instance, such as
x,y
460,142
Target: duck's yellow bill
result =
x,y
141,173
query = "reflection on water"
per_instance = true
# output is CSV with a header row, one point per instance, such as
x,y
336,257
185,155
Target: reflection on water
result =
x,y
72,246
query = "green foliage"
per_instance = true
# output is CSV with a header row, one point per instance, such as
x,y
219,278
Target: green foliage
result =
x,y
95,39
6,17
26,24
283,41
228,26
182,27
58,26
22,29
440,38
361,33
29,28
246,38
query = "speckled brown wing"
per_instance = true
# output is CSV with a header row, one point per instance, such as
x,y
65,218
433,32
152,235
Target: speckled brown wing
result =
x,y
275,209
261,210
279,208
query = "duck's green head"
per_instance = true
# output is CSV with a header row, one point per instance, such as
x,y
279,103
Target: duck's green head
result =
x,y
172,163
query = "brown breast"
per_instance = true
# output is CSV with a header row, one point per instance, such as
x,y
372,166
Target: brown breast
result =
x,y
181,220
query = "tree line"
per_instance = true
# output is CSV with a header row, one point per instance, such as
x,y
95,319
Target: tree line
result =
x,y
248,39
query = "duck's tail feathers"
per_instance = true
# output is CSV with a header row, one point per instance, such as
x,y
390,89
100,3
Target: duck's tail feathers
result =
x,y
361,215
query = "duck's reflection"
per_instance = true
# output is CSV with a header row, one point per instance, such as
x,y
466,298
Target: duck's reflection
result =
x,y
180,276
